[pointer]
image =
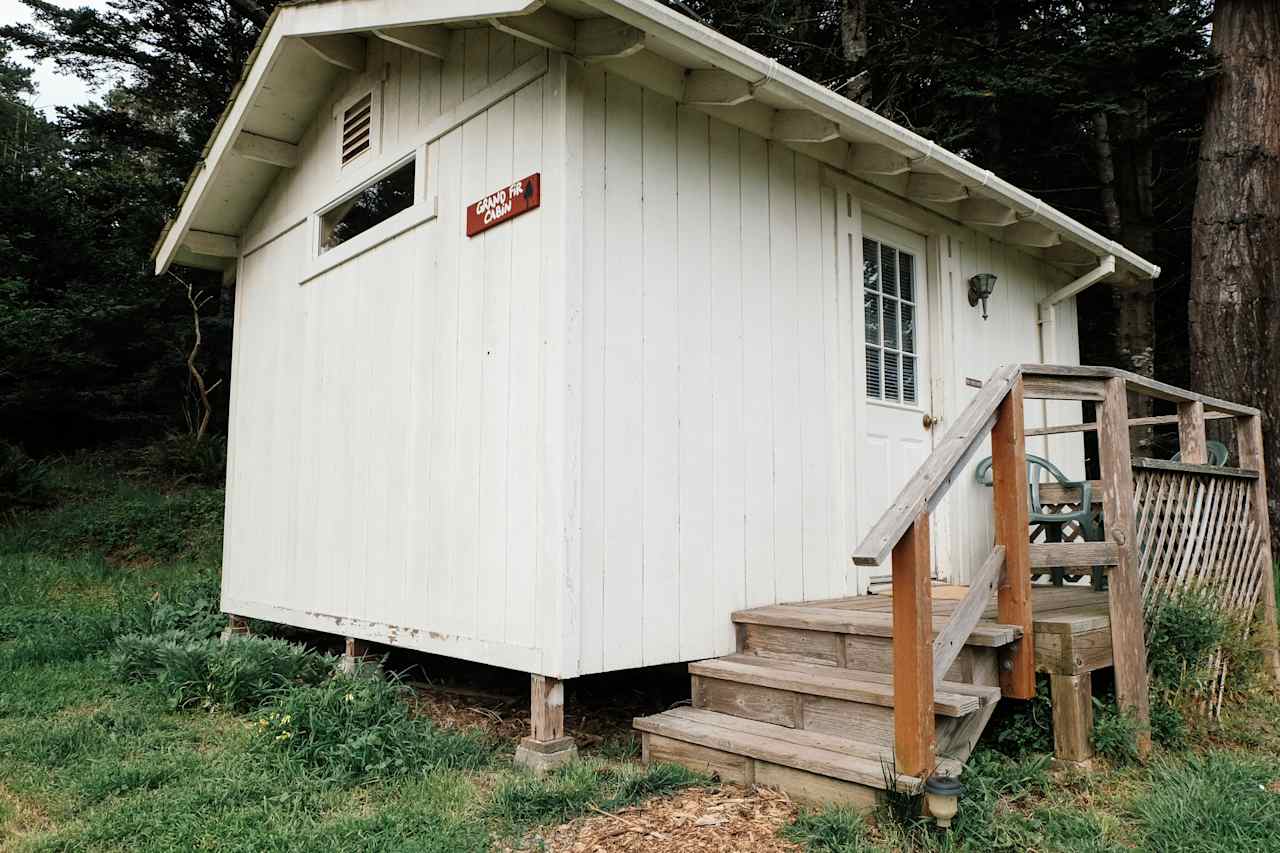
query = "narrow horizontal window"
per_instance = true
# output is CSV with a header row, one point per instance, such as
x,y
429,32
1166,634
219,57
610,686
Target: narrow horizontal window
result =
x,y
377,202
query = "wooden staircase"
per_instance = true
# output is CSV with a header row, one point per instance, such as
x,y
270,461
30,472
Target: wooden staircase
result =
x,y
806,704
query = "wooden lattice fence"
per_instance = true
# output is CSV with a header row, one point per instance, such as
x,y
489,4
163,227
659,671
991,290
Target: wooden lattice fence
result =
x,y
1197,531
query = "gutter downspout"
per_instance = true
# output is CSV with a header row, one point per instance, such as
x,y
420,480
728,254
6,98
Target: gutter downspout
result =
x,y
1049,320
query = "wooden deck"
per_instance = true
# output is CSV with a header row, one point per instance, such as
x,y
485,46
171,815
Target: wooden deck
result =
x,y
1072,623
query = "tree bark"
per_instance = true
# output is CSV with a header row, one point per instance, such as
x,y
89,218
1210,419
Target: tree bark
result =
x,y
1123,150
853,45
1235,243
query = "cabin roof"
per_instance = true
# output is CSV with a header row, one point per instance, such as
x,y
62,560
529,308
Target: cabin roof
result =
x,y
307,44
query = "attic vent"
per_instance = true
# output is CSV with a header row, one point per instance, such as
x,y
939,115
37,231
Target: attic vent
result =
x,y
357,124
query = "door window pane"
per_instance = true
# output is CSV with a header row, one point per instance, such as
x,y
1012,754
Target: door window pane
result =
x,y
889,312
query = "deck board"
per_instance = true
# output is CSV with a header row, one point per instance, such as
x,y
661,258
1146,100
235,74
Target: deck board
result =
x,y
1071,622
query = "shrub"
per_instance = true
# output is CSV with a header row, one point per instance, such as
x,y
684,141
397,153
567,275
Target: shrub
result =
x,y
358,726
1184,634
180,458
1115,733
24,482
1168,723
243,673
570,791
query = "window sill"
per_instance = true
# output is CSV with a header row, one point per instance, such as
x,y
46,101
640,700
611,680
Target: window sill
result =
x,y
377,235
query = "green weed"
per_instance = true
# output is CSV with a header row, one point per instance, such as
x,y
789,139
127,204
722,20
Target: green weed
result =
x,y
1019,728
831,830
240,674
1115,733
526,800
352,727
1214,803
24,482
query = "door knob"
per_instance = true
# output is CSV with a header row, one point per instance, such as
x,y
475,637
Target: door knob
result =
x,y
930,421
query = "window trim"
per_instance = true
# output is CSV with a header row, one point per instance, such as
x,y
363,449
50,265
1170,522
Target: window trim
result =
x,y
422,210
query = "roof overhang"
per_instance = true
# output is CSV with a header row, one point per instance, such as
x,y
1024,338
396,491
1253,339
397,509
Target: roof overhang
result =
x,y
305,46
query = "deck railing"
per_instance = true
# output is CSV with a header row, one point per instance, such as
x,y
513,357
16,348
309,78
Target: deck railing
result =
x,y
1229,521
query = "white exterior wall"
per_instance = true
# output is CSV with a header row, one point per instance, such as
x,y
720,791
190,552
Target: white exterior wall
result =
x,y
721,382
387,462
578,441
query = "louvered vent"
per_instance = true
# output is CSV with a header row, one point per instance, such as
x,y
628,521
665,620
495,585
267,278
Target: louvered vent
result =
x,y
357,123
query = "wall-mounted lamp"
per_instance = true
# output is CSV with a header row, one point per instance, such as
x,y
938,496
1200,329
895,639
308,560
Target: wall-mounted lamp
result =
x,y
980,287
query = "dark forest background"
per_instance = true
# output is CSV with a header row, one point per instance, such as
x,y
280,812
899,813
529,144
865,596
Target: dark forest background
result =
x,y
1098,106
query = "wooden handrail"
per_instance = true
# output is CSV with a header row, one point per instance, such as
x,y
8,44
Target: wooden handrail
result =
x,y
931,480
1155,420
1139,385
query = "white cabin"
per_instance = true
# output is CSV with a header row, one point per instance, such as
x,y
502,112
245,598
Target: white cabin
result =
x,y
684,383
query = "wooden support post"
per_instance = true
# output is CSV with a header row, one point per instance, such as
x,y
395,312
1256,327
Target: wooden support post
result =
x,y
1249,447
915,740
1128,641
547,747
237,626
1012,521
357,652
1192,443
1072,697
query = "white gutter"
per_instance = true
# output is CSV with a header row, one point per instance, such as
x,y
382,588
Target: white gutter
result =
x,y
1048,306
726,54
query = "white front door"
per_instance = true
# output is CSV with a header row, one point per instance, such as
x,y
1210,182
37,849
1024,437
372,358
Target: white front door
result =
x,y
893,387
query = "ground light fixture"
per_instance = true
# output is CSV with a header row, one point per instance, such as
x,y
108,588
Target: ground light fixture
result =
x,y
943,795
980,287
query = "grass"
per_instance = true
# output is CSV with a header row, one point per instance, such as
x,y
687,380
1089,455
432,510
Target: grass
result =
x,y
126,725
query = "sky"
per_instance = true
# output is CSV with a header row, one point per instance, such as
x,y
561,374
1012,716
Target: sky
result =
x,y
52,89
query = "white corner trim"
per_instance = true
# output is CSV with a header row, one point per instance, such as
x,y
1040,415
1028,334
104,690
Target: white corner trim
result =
x,y
388,229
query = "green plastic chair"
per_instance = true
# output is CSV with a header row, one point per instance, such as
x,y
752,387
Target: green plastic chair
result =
x,y
1090,529
1052,521
1215,450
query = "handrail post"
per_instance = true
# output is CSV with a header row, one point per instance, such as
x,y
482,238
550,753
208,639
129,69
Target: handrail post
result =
x,y
1012,523
1128,640
1249,446
915,740
1192,443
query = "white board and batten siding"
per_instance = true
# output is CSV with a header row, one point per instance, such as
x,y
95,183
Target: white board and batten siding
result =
x,y
386,476
576,442
722,387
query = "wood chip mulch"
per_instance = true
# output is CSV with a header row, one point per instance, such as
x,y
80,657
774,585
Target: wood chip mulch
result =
x,y
725,819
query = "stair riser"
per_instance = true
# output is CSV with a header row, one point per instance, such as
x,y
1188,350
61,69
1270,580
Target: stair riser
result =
x,y
837,717
807,788
870,654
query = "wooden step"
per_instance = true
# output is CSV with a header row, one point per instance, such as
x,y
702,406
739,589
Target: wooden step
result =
x,y
863,623
722,736
871,688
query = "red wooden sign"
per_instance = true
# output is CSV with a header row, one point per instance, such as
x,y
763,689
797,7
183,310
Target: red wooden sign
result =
x,y
507,203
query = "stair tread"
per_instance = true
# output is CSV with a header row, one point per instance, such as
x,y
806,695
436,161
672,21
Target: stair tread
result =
x,y
864,623
839,758
834,682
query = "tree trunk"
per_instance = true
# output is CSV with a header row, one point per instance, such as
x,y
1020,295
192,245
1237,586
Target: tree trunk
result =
x,y
1122,146
853,45
1235,243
